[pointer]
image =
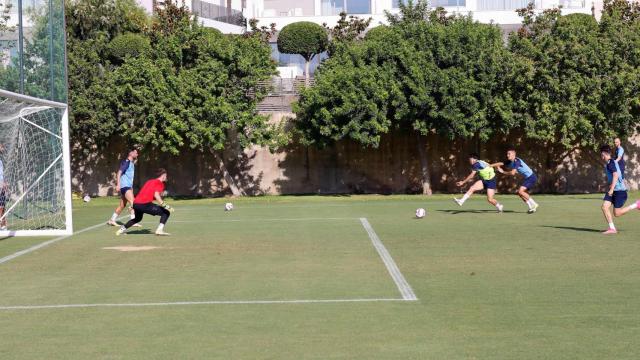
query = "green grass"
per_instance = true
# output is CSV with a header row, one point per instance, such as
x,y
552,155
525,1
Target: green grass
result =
x,y
490,286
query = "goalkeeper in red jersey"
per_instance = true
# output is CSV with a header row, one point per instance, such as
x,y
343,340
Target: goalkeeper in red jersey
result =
x,y
143,204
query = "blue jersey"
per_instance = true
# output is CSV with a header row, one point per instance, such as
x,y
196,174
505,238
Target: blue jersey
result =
x,y
127,169
611,168
520,166
619,152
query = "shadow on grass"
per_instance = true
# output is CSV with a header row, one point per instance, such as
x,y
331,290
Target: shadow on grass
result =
x,y
454,212
140,232
5,238
573,228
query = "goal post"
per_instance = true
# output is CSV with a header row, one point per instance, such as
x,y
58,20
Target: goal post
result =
x,y
35,186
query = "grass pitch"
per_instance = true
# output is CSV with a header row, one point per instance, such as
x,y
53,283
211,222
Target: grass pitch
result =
x,y
299,278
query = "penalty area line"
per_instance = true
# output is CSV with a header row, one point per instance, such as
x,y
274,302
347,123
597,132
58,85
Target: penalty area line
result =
x,y
49,242
403,285
191,303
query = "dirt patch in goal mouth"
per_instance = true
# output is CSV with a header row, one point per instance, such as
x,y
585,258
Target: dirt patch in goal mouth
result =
x,y
132,248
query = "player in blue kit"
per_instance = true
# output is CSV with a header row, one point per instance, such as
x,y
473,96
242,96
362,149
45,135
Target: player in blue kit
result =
x,y
487,181
124,182
616,190
514,166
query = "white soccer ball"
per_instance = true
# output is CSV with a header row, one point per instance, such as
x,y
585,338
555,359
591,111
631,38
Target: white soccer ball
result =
x,y
86,198
420,213
228,207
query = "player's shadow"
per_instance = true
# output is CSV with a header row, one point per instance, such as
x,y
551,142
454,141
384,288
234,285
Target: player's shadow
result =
x,y
572,228
454,212
139,232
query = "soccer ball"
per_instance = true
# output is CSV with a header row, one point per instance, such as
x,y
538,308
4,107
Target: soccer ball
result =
x,y
228,207
420,213
86,198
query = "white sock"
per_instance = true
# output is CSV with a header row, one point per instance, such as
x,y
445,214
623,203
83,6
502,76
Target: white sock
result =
x,y
498,205
611,226
530,203
133,215
160,227
464,198
633,206
114,217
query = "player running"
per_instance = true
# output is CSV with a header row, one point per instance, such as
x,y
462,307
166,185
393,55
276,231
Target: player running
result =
x,y
616,192
143,204
124,185
515,165
487,181
619,153
3,193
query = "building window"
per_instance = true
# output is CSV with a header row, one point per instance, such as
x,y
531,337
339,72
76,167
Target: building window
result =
x,y
502,4
435,3
335,7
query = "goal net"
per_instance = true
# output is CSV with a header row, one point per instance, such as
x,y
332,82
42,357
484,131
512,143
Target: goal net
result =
x,y
35,187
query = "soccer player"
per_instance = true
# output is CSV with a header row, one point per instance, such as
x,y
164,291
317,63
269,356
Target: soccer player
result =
x,y
143,204
487,181
124,181
3,193
616,192
619,154
515,165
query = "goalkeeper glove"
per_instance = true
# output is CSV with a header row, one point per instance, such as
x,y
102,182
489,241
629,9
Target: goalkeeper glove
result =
x,y
166,206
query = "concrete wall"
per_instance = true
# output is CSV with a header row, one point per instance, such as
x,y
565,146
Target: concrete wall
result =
x,y
347,168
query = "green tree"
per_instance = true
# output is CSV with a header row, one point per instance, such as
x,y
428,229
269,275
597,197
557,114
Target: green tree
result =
x,y
426,73
196,89
304,38
580,86
91,26
345,31
128,45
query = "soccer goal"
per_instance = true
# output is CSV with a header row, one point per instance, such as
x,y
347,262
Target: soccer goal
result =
x,y
35,182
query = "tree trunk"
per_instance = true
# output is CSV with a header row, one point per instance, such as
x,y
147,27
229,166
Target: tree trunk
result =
x,y
306,73
235,190
424,166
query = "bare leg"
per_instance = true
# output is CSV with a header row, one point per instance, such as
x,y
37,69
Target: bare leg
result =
x,y
490,197
522,192
129,198
606,211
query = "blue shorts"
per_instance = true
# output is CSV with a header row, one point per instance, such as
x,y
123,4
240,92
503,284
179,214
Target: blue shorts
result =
x,y
489,184
618,199
530,182
124,190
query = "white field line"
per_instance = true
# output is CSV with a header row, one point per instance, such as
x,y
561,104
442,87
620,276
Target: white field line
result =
x,y
187,303
257,220
394,271
49,242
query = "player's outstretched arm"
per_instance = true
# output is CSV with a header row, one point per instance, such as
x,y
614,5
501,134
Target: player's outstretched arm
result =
x,y
467,179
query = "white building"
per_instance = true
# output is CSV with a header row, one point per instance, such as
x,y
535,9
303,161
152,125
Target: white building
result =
x,y
283,12
223,15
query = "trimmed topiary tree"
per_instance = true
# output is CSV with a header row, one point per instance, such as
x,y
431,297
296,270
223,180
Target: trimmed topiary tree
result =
x,y
304,38
128,45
